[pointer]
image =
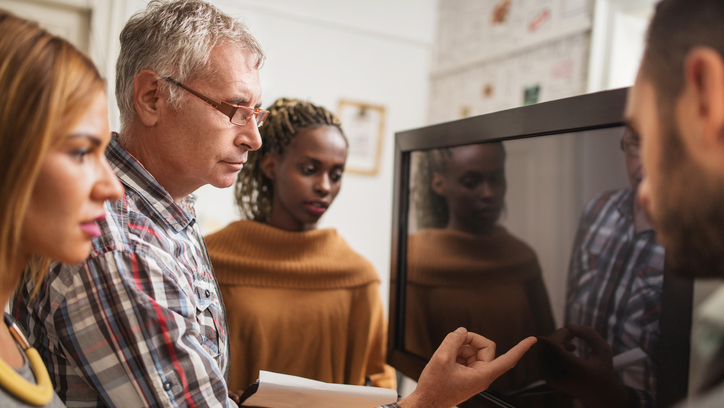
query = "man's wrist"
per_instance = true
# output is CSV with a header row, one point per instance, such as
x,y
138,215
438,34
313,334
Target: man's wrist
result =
x,y
415,400
411,401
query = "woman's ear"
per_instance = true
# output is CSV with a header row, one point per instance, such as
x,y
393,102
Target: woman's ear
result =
x,y
269,165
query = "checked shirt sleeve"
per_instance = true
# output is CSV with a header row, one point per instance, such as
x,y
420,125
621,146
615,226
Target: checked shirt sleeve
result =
x,y
129,327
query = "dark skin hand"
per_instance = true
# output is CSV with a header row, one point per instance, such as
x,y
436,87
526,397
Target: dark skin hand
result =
x,y
592,380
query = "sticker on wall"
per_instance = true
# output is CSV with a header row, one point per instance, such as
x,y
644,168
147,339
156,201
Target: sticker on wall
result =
x,y
488,90
563,69
464,112
501,12
364,126
531,94
539,19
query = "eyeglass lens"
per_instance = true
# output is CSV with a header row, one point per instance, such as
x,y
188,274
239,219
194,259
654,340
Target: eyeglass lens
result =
x,y
244,114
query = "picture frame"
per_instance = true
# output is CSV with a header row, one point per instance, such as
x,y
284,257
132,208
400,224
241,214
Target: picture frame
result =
x,y
364,126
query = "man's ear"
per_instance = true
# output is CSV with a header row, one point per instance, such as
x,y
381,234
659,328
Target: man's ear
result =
x,y
146,97
268,165
701,107
438,184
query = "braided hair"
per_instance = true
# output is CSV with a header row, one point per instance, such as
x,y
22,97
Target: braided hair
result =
x,y
254,191
431,208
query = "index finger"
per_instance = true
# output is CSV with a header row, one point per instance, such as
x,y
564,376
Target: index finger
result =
x,y
508,360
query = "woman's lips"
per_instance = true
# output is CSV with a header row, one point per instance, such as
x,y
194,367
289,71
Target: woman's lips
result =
x,y
91,227
488,212
316,208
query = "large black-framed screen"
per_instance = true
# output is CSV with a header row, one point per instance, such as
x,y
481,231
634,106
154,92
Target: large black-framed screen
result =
x,y
519,222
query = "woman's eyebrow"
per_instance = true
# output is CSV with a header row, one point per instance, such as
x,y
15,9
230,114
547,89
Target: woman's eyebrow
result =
x,y
93,138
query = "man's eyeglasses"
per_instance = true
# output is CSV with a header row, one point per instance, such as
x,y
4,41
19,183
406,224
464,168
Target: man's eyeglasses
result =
x,y
238,115
630,143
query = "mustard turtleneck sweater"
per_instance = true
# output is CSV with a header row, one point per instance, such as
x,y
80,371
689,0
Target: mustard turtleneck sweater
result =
x,y
490,284
299,303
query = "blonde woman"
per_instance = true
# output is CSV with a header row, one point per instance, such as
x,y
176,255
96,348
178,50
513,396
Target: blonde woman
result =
x,y
55,180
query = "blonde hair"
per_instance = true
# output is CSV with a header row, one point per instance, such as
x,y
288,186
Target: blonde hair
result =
x,y
46,85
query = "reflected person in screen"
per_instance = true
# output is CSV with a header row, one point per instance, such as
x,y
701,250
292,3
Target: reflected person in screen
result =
x,y
288,286
616,277
464,269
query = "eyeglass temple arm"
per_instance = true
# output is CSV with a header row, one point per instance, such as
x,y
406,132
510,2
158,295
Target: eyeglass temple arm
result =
x,y
225,108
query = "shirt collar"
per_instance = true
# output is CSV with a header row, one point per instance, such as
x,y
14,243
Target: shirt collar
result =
x,y
625,208
136,178
625,205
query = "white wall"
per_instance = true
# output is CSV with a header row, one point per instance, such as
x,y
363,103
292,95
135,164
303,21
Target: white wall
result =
x,y
617,43
322,50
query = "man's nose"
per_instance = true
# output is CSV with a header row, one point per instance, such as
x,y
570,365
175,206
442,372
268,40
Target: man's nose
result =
x,y
644,194
249,136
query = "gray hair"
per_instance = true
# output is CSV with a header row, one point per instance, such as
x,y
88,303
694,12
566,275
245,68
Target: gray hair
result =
x,y
175,39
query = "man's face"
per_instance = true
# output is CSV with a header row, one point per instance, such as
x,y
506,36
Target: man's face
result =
x,y
682,199
201,146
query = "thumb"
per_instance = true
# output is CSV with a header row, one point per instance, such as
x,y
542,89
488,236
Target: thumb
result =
x,y
508,360
450,346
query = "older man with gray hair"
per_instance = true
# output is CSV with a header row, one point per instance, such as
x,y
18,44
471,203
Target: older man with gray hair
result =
x,y
141,322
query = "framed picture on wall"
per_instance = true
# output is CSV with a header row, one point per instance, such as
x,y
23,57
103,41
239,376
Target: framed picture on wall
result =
x,y
364,126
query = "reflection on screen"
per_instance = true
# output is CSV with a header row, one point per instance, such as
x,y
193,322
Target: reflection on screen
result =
x,y
521,238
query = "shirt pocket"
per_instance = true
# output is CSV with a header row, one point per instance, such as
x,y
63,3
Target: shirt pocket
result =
x,y
208,315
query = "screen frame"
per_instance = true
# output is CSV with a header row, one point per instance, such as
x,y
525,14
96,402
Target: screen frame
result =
x,y
599,110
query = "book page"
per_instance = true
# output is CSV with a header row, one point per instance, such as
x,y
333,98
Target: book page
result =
x,y
288,391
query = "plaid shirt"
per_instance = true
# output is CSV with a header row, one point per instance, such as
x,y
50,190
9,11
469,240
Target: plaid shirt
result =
x,y
615,283
140,322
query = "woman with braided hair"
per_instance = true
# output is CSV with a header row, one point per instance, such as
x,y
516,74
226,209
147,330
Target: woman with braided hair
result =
x,y
299,300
